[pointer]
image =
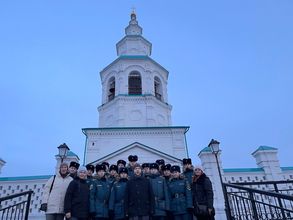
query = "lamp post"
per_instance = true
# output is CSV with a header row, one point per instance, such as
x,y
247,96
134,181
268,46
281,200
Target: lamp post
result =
x,y
215,147
63,150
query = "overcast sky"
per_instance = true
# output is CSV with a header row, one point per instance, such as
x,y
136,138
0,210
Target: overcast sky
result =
x,y
229,62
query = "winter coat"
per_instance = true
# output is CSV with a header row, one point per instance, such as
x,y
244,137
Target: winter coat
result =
x,y
99,198
116,202
77,198
202,191
161,193
55,199
180,194
139,197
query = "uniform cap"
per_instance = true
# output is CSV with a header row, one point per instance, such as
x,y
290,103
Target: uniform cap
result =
x,y
132,158
144,165
175,168
121,161
106,163
74,164
160,162
123,170
100,167
90,167
187,161
113,167
166,167
154,166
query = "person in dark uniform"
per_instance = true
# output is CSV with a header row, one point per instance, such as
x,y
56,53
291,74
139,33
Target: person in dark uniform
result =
x,y
121,163
181,196
100,194
161,163
90,171
113,173
116,202
161,193
132,162
76,202
107,165
202,193
166,172
146,169
90,181
188,169
139,197
73,167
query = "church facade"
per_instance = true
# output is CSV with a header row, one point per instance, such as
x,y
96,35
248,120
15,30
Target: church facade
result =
x,y
135,115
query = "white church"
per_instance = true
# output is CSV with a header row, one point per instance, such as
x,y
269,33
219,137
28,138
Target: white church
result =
x,y
135,119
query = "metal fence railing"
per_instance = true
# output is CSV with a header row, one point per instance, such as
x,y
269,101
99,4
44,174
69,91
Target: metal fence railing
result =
x,y
15,206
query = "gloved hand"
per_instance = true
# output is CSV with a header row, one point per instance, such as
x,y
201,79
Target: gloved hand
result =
x,y
44,207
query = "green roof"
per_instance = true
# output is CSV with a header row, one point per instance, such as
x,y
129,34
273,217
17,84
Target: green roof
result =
x,y
286,168
25,178
264,148
70,154
234,170
206,149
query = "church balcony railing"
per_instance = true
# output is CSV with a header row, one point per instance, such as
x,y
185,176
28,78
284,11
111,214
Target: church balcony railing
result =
x,y
248,203
16,206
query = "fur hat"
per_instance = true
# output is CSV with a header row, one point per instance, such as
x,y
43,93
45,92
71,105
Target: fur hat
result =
x,y
187,161
132,158
123,170
113,167
154,166
166,167
144,165
74,164
100,167
90,167
106,164
122,162
160,162
175,168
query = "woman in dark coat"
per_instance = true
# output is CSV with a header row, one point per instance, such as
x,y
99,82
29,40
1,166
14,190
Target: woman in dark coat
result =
x,y
76,203
202,193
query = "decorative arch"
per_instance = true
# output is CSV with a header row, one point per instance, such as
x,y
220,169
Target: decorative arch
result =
x,y
134,83
158,88
111,88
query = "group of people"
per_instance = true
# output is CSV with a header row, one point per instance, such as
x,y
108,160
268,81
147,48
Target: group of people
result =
x,y
156,191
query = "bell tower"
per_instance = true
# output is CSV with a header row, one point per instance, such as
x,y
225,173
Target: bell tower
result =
x,y
135,116
134,86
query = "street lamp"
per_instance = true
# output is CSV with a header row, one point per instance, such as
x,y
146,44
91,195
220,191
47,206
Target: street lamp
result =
x,y
215,147
63,149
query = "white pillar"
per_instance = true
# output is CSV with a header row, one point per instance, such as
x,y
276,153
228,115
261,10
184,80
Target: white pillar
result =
x,y
209,164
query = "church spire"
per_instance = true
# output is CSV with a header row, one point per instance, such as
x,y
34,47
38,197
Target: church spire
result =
x,y
133,28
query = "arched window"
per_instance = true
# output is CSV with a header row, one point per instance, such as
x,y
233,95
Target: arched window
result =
x,y
134,83
111,88
158,88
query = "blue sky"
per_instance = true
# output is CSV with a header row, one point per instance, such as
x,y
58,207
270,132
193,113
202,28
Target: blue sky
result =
x,y
229,62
